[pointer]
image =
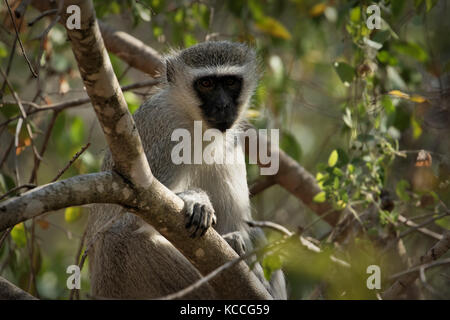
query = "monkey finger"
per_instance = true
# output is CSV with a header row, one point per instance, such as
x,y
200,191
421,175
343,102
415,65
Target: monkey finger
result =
x,y
191,214
197,218
206,222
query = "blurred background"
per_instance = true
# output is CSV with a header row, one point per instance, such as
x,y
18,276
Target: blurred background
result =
x,y
364,111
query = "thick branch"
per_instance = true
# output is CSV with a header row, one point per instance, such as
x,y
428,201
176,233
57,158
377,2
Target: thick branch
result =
x,y
103,187
133,51
8,291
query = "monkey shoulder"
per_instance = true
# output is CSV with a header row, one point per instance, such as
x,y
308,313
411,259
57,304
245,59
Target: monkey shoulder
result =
x,y
155,122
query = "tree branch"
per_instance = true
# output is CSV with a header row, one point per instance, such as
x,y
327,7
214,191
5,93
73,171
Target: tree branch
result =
x,y
103,187
438,250
8,291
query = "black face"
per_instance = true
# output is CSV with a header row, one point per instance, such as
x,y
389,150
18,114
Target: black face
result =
x,y
219,96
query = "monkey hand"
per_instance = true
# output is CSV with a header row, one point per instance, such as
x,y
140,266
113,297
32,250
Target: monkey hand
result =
x,y
198,210
236,241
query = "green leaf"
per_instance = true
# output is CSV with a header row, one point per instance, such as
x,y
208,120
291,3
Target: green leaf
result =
x,y
397,7
345,72
385,57
72,214
18,235
77,131
189,40
270,264
444,222
336,183
416,127
400,190
3,50
387,104
320,197
132,100
381,36
337,172
418,3
290,145
411,49
202,14
350,168
6,183
430,4
355,14
333,158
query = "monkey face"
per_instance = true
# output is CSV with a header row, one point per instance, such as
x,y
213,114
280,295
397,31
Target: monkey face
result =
x,y
219,97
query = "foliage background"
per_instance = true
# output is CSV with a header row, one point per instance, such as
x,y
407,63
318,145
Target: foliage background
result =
x,y
354,107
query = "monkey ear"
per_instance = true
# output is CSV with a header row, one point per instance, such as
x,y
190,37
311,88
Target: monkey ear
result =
x,y
170,71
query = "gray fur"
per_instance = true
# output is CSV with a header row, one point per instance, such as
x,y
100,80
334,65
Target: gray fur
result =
x,y
131,259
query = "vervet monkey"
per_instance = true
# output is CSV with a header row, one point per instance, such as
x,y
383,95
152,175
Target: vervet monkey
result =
x,y
211,82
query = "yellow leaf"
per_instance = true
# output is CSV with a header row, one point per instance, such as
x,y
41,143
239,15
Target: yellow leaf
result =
x,y
317,10
399,94
18,235
320,177
72,214
417,98
332,160
273,27
340,205
414,98
320,197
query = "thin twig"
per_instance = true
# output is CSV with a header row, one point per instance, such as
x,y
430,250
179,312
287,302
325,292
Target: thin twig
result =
x,y
72,103
11,57
20,42
271,225
408,277
416,227
209,276
427,286
8,150
261,184
32,280
16,145
76,292
42,15
28,186
22,111
4,236
48,133
422,266
426,222
74,158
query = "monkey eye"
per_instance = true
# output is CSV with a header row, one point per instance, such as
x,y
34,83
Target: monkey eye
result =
x,y
206,83
230,81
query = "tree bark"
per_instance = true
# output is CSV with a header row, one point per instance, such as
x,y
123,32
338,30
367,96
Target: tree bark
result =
x,y
8,291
